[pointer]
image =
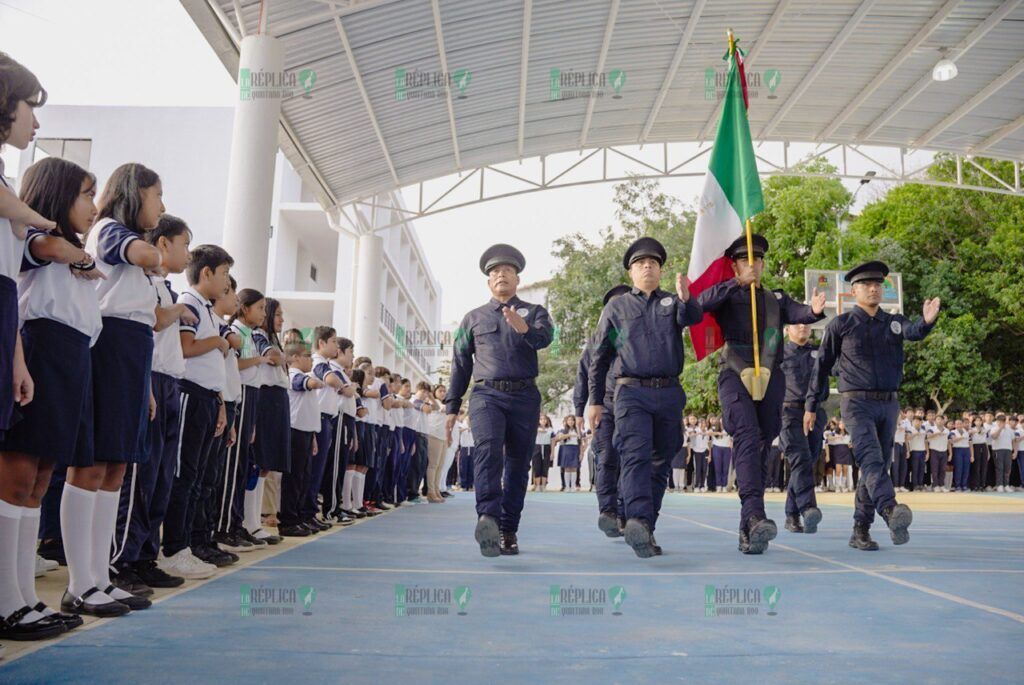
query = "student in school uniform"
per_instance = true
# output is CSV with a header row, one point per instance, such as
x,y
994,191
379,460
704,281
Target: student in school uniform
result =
x,y
900,455
241,495
20,94
960,445
917,444
721,454
145,493
272,448
841,456
979,453
355,474
203,417
1018,455
410,420
304,410
213,493
1002,452
324,465
541,460
677,481
938,453
122,359
701,456
465,453
61,316
568,442
344,435
401,396
450,446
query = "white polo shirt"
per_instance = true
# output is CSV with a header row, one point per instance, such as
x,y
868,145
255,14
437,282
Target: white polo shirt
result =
x,y
232,376
980,437
347,404
206,370
543,436
305,409
938,439
721,441
167,357
327,397
916,439
51,291
466,437
899,436
1003,441
960,438
126,292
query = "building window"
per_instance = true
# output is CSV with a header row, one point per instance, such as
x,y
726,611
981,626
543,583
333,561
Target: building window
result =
x,y
72,149
312,272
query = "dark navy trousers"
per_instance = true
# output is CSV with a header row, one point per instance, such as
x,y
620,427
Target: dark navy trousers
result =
x,y
872,424
801,452
608,466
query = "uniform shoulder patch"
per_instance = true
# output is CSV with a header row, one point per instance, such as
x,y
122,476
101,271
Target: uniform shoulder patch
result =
x,y
896,327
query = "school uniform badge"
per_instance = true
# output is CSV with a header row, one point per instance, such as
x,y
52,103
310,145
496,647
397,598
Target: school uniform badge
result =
x,y
522,311
896,327
666,301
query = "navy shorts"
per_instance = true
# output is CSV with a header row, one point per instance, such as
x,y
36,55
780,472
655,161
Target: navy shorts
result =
x,y
57,423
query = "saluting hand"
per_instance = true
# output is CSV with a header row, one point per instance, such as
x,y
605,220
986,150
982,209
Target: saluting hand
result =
x,y
682,287
514,320
817,302
930,311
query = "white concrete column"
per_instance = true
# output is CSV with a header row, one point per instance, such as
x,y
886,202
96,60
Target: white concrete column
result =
x,y
344,286
247,211
366,317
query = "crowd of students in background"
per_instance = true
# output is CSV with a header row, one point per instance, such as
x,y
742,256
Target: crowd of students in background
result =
x,y
975,452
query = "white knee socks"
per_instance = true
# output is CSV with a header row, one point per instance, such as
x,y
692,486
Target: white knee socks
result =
x,y
359,482
28,535
10,595
253,503
347,485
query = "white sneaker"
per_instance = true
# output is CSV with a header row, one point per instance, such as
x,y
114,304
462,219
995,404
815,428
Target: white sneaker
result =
x,y
40,566
185,565
1010,488
999,488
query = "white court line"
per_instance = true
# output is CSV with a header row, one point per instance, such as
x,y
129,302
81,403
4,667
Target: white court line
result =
x,y
569,572
898,581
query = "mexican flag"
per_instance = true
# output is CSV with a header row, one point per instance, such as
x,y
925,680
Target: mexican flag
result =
x,y
731,195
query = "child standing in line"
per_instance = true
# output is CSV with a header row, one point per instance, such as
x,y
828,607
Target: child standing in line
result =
x,y
272,448
304,415
938,452
960,441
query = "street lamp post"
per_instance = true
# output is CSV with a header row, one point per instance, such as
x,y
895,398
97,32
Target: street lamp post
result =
x,y
866,179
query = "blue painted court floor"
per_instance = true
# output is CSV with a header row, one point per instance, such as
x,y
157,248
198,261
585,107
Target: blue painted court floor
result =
x,y
407,598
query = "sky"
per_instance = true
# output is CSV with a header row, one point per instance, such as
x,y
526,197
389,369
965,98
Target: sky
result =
x,y
149,53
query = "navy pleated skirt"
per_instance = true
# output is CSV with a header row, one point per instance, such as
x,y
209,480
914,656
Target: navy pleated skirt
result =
x,y
8,336
569,456
122,361
58,423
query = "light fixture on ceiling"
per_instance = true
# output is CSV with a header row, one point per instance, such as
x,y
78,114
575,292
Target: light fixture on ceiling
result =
x,y
945,69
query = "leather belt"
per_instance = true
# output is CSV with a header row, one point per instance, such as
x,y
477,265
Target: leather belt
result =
x,y
882,396
508,385
662,382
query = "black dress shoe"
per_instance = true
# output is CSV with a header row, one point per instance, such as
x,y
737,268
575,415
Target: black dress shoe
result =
x,y
266,537
861,538
129,581
248,537
793,524
295,531
609,524
77,605
638,536
445,494
509,543
132,602
351,513
488,536
812,517
213,556
898,518
366,512
313,530
46,627
70,621
318,525
151,575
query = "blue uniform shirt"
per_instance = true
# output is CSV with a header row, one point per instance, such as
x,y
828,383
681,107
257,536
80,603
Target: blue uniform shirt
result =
x,y
798,364
730,303
644,335
869,350
488,348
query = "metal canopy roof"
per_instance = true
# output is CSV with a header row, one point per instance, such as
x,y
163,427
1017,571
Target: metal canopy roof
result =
x,y
850,71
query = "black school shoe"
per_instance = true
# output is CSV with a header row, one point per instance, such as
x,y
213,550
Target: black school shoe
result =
x,y
70,621
351,513
128,580
295,531
151,575
46,627
313,530
132,602
212,555
77,605
232,542
254,541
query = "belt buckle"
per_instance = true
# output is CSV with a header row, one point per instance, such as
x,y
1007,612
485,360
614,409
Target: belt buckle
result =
x,y
656,383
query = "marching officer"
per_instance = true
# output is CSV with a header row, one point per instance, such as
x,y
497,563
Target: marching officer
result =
x,y
801,451
642,331
611,519
867,343
752,405
496,345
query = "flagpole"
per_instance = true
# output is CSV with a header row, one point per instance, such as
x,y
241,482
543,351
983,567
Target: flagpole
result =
x,y
750,254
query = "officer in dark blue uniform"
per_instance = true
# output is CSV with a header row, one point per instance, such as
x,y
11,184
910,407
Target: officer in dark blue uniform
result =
x,y
496,345
752,405
867,343
642,331
612,518
801,451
